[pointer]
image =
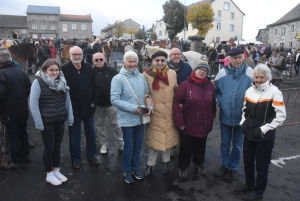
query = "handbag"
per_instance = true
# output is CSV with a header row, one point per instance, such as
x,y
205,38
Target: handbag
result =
x,y
145,119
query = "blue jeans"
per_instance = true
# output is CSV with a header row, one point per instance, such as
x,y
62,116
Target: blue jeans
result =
x,y
18,140
75,136
257,155
234,135
133,140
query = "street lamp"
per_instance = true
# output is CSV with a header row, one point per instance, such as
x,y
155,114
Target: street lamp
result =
x,y
184,21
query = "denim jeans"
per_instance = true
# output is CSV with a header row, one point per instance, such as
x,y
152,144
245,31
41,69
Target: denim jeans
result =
x,y
257,155
52,136
231,135
18,140
133,140
75,136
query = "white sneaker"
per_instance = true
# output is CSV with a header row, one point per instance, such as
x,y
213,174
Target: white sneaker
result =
x,y
103,149
60,176
52,179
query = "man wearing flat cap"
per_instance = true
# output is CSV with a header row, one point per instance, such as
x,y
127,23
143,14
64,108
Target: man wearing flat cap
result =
x,y
231,84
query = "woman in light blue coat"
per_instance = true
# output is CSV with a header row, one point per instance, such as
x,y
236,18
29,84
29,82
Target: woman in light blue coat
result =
x,y
130,113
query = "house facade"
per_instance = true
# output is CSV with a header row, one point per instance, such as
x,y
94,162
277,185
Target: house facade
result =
x,y
285,32
161,30
263,36
10,23
129,24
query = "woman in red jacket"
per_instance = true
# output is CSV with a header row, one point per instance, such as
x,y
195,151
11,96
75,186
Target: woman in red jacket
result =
x,y
195,118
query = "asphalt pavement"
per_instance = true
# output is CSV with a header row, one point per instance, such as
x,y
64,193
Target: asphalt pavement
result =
x,y
106,182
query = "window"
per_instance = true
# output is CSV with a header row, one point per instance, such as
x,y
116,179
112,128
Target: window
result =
x,y
283,31
73,26
52,18
65,27
219,14
218,26
231,28
226,6
160,33
232,16
52,27
290,45
44,27
292,28
193,28
275,31
160,24
166,32
218,39
83,27
34,26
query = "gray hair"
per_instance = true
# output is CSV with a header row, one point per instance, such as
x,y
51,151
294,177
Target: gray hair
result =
x,y
5,56
128,48
263,69
71,48
229,57
130,54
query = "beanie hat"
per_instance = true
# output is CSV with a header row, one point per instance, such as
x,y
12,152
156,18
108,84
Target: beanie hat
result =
x,y
202,64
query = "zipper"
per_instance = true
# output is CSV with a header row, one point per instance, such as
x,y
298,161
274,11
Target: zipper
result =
x,y
191,96
205,122
197,118
262,135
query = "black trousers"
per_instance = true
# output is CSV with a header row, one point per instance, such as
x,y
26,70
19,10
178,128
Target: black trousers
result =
x,y
257,156
191,146
52,136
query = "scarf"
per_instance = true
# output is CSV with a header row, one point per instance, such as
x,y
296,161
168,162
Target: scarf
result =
x,y
158,75
175,67
198,80
58,84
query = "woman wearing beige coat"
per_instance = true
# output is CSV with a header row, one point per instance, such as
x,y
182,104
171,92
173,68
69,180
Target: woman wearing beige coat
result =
x,y
160,134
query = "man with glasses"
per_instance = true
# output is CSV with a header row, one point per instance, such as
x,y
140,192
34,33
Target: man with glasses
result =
x,y
277,65
182,69
104,75
231,84
84,93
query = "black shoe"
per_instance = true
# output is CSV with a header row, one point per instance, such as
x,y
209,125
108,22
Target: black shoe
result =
x,y
183,174
76,165
30,144
148,171
200,169
14,166
26,159
252,196
243,188
233,174
221,171
165,167
172,153
94,161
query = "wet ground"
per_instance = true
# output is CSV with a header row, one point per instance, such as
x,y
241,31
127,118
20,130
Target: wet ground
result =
x,y
106,182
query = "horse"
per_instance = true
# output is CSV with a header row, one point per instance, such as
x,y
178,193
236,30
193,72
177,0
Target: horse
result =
x,y
23,52
64,53
138,45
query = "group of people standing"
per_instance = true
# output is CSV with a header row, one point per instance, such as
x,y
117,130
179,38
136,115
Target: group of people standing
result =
x,y
181,102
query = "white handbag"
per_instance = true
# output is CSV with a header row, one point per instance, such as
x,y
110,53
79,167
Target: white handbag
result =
x,y
145,119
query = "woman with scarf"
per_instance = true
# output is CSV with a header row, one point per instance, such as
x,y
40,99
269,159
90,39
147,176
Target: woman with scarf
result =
x,y
51,106
160,134
194,110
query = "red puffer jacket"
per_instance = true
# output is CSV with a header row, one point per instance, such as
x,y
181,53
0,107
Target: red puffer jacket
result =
x,y
199,107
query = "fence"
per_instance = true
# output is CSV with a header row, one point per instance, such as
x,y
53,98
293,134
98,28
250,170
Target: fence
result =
x,y
292,105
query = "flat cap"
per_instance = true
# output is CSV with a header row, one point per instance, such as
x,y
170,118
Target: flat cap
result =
x,y
235,51
159,53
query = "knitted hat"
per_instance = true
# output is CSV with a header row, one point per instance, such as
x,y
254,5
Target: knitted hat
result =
x,y
202,64
159,53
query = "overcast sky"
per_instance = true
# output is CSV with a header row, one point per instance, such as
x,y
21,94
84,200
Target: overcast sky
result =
x,y
259,13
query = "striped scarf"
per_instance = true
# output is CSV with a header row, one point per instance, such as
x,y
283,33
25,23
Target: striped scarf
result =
x,y
158,75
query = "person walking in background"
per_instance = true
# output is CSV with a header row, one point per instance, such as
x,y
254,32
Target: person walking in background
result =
x,y
263,112
104,74
50,107
297,62
277,65
194,109
84,93
230,85
106,50
53,50
130,112
160,134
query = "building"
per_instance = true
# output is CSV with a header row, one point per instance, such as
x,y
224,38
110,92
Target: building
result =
x,y
161,30
75,26
228,22
263,36
9,23
285,32
129,24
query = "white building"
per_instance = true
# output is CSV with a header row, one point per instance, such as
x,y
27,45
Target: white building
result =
x,y
161,30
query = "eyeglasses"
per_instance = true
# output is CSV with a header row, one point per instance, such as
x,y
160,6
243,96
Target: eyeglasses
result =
x,y
161,60
78,55
97,60
176,54
203,70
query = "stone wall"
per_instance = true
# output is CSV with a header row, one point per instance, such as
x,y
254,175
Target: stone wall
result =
x,y
7,32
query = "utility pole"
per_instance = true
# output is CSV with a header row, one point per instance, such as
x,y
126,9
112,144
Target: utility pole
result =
x,y
184,21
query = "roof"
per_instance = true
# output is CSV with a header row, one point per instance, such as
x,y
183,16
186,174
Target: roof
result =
x,y
260,31
291,16
46,10
110,26
132,21
81,18
13,21
150,30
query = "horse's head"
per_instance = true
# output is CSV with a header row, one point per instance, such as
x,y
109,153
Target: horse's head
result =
x,y
33,56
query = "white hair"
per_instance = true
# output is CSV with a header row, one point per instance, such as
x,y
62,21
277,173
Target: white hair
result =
x,y
263,69
130,54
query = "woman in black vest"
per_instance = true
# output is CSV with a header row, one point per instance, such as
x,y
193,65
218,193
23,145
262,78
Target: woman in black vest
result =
x,y
51,106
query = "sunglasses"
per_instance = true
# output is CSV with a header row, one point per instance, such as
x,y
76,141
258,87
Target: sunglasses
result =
x,y
161,60
98,59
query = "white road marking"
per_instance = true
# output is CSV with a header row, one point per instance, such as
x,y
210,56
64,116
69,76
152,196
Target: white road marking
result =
x,y
281,160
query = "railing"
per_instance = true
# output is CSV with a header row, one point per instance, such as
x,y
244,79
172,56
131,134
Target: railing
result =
x,y
292,105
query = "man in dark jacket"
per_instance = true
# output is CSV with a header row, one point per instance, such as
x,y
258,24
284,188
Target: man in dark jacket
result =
x,y
97,47
104,75
14,91
84,94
